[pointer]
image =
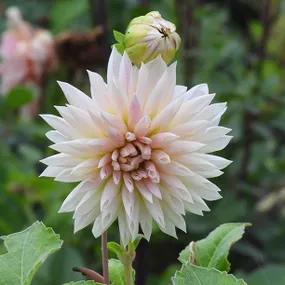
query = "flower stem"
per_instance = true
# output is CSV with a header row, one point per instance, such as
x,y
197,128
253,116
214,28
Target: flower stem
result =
x,y
104,248
128,259
129,274
90,274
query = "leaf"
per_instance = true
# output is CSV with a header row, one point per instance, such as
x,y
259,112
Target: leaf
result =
x,y
213,251
196,275
82,283
120,48
268,275
119,37
18,97
187,254
116,249
137,241
116,269
26,251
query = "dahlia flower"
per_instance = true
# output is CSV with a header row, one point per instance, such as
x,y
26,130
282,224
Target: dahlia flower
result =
x,y
149,36
139,146
26,53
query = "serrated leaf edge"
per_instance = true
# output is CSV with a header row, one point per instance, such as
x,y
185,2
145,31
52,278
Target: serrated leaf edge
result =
x,y
49,230
207,269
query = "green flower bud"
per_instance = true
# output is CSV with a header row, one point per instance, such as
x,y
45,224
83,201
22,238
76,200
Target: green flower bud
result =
x,y
150,36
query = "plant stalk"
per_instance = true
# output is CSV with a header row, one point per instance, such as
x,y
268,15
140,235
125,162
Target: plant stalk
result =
x,y
129,274
104,248
90,274
128,262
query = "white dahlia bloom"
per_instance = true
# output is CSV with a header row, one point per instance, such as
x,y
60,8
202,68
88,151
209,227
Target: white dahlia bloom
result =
x,y
139,146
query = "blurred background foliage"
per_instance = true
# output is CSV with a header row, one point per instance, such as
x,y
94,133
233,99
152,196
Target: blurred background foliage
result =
x,y
238,48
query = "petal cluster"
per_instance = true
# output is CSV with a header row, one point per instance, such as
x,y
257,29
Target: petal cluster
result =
x,y
26,53
139,146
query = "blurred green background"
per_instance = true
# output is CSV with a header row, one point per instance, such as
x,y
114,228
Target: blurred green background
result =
x,y
238,48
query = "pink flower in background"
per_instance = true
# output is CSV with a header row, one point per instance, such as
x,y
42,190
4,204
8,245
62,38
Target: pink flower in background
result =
x,y
26,53
139,146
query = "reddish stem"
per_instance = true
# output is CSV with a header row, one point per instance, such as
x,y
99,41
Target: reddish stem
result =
x,y
90,274
104,249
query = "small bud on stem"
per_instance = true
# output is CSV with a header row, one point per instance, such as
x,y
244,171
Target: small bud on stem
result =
x,y
148,37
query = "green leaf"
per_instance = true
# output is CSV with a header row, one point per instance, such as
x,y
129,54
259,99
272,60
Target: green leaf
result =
x,y
116,248
187,254
137,241
213,251
120,48
116,269
26,251
268,275
18,97
82,283
119,37
195,275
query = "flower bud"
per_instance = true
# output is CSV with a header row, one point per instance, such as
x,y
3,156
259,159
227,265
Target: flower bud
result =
x,y
150,36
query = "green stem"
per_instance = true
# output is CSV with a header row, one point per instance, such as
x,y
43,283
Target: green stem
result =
x,y
128,259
